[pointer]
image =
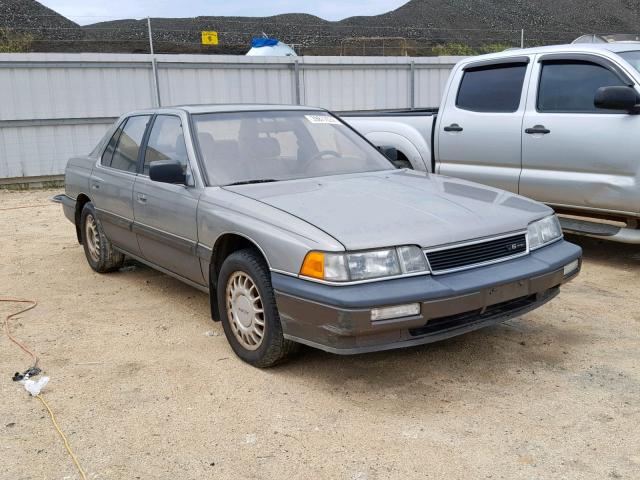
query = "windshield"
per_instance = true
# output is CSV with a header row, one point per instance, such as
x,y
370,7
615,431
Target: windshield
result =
x,y
244,147
632,57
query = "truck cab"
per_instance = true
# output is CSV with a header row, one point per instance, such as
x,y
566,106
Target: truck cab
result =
x,y
558,124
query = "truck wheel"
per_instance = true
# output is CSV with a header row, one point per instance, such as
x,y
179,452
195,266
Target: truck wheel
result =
x,y
101,255
248,310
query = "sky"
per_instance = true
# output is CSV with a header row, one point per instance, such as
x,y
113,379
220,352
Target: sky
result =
x,y
91,11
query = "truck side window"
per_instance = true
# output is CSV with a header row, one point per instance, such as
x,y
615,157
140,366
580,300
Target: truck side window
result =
x,y
570,86
125,156
166,142
494,88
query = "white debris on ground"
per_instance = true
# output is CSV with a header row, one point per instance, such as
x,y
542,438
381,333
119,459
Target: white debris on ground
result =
x,y
34,387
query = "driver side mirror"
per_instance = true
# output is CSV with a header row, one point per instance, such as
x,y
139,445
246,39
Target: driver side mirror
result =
x,y
167,171
617,98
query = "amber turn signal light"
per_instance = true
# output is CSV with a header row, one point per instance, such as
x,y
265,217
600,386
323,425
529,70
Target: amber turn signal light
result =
x,y
313,265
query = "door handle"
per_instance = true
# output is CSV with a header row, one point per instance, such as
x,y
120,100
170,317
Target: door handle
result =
x,y
142,198
537,129
454,127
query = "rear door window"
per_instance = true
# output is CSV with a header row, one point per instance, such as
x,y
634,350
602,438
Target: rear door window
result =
x,y
570,86
125,156
494,88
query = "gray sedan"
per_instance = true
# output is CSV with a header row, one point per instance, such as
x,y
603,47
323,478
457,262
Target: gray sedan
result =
x,y
302,232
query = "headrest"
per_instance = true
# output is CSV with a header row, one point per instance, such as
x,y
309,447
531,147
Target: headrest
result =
x,y
266,147
225,149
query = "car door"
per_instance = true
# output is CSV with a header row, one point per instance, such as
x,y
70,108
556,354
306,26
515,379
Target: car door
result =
x,y
112,182
165,214
575,154
478,136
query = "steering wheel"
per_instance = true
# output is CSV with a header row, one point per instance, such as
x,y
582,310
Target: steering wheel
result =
x,y
320,154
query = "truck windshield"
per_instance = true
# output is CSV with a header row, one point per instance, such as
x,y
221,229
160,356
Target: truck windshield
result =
x,y
632,57
252,147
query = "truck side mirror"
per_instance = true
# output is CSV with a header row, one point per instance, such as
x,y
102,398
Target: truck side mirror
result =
x,y
617,98
390,152
167,171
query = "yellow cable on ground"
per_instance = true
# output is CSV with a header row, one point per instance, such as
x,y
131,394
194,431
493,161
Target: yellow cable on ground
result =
x,y
35,360
64,439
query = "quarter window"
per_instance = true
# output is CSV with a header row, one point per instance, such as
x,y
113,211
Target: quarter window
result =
x,y
570,86
495,88
107,155
166,142
125,156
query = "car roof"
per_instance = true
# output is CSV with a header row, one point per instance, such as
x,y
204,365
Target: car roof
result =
x,y
569,48
234,107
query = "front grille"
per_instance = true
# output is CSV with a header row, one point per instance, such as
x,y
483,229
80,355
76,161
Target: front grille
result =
x,y
467,256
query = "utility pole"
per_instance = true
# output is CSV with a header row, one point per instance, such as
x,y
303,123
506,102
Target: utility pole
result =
x,y
154,66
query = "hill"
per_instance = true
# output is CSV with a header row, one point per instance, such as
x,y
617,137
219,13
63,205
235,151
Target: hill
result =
x,y
420,27
30,18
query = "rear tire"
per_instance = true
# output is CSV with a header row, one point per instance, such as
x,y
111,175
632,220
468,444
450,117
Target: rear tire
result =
x,y
101,255
248,310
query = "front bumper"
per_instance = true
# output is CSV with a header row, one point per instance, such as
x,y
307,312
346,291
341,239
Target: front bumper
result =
x,y
337,319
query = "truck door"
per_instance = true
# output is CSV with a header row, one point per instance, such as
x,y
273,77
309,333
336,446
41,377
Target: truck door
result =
x,y
575,154
479,128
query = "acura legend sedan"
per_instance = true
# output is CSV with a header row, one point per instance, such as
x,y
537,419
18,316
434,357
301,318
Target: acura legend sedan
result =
x,y
302,232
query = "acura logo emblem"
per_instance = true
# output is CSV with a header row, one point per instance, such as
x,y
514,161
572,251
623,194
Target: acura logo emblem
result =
x,y
515,246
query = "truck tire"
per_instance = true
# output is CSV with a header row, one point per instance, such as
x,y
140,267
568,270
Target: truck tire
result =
x,y
248,310
101,255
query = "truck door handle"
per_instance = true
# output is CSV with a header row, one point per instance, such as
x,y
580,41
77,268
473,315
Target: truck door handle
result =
x,y
142,198
454,127
537,129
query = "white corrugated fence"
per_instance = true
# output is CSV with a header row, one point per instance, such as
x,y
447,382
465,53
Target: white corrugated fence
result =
x,y
54,106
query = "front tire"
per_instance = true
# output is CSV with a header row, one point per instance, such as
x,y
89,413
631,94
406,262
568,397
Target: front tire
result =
x,y
248,310
101,255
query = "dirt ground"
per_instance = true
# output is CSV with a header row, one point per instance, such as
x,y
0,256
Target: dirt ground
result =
x,y
146,386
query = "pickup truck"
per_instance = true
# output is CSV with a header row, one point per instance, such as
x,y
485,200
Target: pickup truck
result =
x,y
557,124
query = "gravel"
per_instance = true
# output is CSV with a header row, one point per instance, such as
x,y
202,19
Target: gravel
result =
x,y
142,393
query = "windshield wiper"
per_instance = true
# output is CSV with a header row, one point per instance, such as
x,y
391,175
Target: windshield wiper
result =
x,y
247,182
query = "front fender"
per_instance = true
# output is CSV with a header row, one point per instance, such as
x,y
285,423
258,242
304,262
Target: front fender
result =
x,y
283,239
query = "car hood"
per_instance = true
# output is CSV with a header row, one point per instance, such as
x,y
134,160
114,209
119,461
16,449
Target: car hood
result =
x,y
400,207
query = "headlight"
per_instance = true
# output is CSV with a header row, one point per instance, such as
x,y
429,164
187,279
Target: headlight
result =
x,y
355,266
543,232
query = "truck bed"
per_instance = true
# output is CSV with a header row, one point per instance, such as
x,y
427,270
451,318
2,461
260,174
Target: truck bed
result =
x,y
401,112
410,131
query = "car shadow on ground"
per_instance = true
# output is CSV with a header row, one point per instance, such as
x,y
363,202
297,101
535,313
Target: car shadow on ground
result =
x,y
493,355
499,353
605,252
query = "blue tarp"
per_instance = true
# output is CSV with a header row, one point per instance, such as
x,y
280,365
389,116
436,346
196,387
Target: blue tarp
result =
x,y
258,42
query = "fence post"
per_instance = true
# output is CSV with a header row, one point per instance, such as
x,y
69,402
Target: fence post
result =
x,y
522,38
154,66
412,84
296,82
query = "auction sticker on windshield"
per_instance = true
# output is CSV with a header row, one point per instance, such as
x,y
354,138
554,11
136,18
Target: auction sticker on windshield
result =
x,y
328,119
